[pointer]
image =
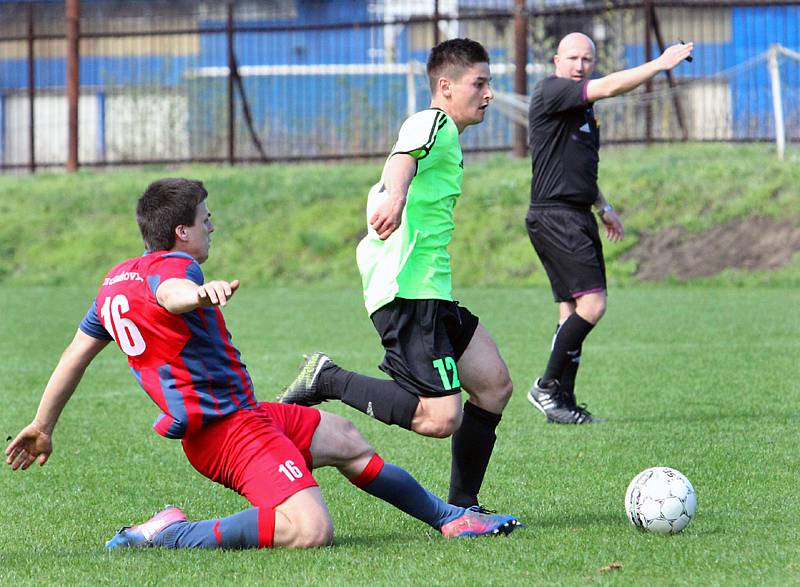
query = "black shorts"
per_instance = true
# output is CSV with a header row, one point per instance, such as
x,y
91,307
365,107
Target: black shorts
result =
x,y
424,339
568,244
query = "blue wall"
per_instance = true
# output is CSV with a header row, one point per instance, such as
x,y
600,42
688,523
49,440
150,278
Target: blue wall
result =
x,y
753,31
284,103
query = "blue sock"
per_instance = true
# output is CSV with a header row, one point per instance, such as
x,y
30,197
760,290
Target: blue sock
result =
x,y
397,487
236,531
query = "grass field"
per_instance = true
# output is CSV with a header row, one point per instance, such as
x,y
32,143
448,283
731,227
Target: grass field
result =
x,y
288,225
700,379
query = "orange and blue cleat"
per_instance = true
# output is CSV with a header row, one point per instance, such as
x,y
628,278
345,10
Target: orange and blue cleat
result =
x,y
476,521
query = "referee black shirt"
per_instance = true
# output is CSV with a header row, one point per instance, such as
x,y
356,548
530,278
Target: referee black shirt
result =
x,y
564,143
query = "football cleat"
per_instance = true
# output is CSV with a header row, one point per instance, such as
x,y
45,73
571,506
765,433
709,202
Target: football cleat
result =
x,y
142,535
558,405
476,521
304,390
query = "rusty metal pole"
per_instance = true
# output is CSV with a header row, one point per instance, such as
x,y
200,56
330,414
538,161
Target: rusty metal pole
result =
x,y
676,101
520,72
73,82
231,96
436,17
648,56
31,93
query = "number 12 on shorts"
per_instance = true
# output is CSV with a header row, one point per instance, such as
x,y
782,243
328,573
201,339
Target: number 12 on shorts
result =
x,y
443,366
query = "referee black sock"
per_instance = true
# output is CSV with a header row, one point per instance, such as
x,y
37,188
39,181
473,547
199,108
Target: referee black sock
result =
x,y
472,447
382,399
567,345
570,372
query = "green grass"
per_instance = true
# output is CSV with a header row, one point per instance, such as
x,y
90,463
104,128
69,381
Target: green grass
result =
x,y
291,225
700,379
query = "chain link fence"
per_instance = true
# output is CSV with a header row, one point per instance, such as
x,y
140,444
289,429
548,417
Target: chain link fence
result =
x,y
277,80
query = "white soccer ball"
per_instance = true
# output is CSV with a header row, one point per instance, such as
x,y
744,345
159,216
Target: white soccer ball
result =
x,y
660,500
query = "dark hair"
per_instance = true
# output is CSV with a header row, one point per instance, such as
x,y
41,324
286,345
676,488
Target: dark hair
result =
x,y
164,205
450,58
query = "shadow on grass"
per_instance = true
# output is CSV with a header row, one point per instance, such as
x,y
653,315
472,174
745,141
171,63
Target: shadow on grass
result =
x,y
576,520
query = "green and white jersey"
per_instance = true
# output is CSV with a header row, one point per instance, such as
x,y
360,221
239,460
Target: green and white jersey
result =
x,y
413,262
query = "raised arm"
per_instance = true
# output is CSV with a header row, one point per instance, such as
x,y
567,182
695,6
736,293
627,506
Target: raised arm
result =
x,y
34,442
179,296
626,80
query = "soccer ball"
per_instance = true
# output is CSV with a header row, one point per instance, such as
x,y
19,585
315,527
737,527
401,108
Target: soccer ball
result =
x,y
660,500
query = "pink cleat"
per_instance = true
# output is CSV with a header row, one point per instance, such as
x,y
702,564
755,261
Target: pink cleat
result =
x,y
142,535
476,521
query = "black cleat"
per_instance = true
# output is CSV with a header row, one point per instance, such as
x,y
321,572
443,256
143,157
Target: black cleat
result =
x,y
558,405
304,390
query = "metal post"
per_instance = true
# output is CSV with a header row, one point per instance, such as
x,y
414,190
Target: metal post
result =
x,y
231,97
31,93
101,126
2,131
777,101
411,89
436,17
73,81
676,101
520,73
648,56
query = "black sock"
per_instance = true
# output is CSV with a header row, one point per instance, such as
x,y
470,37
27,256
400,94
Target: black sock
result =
x,y
568,341
472,447
570,372
382,399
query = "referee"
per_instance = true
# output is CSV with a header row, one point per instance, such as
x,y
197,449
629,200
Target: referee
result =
x,y
564,143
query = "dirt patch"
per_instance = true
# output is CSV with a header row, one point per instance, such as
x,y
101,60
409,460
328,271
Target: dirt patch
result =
x,y
755,243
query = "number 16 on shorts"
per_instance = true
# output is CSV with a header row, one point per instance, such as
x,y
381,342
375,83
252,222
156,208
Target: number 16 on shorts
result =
x,y
448,371
291,471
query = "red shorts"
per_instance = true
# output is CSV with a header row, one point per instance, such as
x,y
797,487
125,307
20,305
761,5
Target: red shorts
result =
x,y
263,454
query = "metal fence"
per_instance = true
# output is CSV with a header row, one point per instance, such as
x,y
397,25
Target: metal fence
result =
x,y
112,82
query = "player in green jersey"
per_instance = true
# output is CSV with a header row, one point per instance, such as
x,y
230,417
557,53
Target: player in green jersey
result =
x,y
434,348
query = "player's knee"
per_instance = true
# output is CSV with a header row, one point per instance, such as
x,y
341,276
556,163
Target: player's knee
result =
x,y
343,443
495,394
354,445
598,311
592,310
504,389
314,533
439,425
318,537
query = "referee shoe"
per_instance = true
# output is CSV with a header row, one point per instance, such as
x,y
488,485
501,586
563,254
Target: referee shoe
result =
x,y
305,389
558,405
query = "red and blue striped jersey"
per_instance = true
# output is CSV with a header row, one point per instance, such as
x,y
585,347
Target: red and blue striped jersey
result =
x,y
185,362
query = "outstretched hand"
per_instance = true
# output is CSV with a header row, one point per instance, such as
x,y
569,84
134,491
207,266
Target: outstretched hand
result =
x,y
216,293
614,230
31,444
674,54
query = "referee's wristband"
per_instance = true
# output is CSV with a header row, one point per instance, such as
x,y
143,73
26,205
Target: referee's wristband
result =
x,y
605,210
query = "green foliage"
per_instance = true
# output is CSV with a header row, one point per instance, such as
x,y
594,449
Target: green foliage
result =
x,y
689,378
299,224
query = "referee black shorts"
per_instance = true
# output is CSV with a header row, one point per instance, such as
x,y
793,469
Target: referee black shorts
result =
x,y
424,339
568,243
